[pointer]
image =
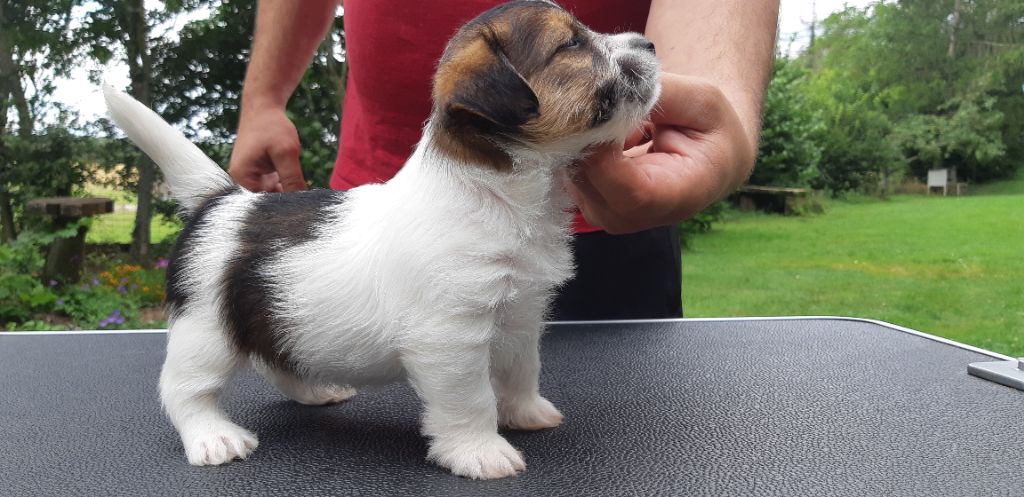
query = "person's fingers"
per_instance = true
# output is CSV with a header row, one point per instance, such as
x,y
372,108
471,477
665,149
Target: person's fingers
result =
x,y
289,171
245,175
615,176
245,181
639,136
270,182
639,150
247,165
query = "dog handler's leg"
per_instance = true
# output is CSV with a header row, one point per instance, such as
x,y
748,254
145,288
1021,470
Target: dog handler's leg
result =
x,y
515,369
461,419
199,363
302,392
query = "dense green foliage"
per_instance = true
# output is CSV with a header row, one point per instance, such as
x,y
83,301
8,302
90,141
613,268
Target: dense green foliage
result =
x,y
21,291
193,79
44,164
793,128
110,296
896,89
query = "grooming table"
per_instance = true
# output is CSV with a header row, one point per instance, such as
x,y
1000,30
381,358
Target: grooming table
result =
x,y
731,407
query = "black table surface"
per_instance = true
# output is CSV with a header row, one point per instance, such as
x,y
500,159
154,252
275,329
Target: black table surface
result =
x,y
734,407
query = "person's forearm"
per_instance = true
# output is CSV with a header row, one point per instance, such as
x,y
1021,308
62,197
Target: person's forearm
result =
x,y
287,35
731,43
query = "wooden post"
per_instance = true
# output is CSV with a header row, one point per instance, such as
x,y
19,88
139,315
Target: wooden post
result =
x,y
64,256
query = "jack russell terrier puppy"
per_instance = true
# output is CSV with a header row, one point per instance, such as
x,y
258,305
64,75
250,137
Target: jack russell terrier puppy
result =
x,y
441,276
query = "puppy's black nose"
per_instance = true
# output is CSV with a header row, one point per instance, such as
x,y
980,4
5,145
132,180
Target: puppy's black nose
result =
x,y
643,44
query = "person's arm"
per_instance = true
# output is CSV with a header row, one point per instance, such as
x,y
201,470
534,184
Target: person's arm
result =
x,y
266,152
716,59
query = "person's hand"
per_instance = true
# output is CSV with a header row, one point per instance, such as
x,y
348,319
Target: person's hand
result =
x,y
265,157
693,152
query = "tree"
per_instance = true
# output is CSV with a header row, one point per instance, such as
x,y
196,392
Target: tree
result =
x,y
966,137
125,25
790,148
922,83
34,46
195,82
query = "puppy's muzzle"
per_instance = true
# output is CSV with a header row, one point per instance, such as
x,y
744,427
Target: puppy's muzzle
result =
x,y
642,43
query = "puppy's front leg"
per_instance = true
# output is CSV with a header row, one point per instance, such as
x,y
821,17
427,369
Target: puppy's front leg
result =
x,y
515,365
452,377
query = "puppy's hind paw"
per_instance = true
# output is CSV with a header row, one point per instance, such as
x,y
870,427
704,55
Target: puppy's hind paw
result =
x,y
322,395
483,457
219,444
534,414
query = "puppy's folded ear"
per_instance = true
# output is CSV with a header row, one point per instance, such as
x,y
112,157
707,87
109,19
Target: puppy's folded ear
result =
x,y
478,88
494,100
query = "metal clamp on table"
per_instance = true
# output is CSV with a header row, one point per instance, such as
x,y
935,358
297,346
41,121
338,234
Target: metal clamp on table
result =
x,y
1009,373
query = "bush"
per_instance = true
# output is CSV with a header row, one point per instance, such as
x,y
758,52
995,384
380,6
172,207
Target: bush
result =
x,y
41,165
790,149
22,293
109,299
701,223
112,298
965,135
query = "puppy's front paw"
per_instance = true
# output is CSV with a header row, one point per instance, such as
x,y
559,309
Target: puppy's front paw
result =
x,y
533,414
219,444
480,457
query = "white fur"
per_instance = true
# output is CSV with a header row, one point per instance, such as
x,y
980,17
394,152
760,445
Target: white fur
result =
x,y
441,276
189,173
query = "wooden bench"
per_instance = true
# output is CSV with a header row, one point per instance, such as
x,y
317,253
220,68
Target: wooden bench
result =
x,y
64,257
769,198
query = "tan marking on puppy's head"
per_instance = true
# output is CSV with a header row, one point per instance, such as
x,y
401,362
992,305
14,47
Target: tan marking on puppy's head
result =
x,y
528,75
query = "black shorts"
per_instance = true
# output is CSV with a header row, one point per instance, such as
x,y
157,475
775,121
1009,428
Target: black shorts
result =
x,y
636,276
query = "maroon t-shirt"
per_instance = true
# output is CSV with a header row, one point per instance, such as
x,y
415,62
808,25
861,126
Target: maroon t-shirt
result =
x,y
393,47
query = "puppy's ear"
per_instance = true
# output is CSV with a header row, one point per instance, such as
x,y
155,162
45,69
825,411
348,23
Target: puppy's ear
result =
x,y
493,98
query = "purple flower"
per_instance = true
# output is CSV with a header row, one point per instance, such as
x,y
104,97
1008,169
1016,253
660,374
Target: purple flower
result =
x,y
115,317
53,282
161,263
122,289
95,282
60,301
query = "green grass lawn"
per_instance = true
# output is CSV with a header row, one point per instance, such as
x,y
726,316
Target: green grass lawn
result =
x,y
116,227
953,267
1013,186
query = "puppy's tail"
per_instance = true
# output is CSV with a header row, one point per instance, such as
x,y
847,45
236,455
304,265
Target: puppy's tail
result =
x,y
191,175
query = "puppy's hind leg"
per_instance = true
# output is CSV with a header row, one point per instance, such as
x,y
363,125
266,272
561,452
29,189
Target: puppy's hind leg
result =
x,y
300,391
199,363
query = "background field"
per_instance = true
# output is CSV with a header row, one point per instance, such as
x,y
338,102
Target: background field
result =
x,y
949,266
116,227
